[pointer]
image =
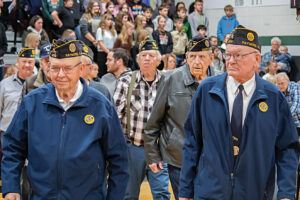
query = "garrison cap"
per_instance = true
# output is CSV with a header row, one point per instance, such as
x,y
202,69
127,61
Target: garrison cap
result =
x,y
199,43
27,53
45,50
87,51
245,37
147,45
66,48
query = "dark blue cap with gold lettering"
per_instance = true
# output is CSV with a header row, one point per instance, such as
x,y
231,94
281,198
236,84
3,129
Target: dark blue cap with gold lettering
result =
x,y
87,51
245,37
147,45
199,43
66,49
27,53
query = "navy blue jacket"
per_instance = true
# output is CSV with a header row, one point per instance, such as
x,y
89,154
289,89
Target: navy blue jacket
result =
x,y
267,137
67,151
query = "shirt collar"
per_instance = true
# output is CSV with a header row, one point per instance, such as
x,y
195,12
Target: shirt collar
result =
x,y
79,89
140,77
247,85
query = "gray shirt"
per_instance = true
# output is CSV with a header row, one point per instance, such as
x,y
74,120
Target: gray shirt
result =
x,y
194,20
10,95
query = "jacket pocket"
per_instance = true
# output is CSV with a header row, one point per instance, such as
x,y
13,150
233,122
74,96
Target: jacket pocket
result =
x,y
175,144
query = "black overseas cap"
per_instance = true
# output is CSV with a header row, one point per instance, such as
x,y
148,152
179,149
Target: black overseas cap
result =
x,y
27,53
147,45
245,37
199,43
66,48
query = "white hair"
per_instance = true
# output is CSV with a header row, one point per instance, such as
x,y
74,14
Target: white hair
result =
x,y
282,75
276,39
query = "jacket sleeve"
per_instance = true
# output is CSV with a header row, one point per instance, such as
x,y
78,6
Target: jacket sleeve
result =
x,y
192,24
287,154
83,26
152,129
45,10
207,25
115,152
14,152
170,43
192,148
219,31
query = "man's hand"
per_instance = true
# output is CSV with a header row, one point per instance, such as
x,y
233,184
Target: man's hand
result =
x,y
180,198
12,196
156,167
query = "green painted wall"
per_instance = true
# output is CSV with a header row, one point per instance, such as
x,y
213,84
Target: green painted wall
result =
x,y
285,40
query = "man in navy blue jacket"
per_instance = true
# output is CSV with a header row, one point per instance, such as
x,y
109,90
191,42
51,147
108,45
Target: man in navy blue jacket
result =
x,y
70,134
238,128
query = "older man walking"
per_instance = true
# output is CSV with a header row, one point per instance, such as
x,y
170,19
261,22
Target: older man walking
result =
x,y
239,126
172,103
69,133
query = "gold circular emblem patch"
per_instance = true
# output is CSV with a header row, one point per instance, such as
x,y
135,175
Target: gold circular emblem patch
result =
x,y
263,106
89,119
85,49
32,51
250,37
72,47
206,43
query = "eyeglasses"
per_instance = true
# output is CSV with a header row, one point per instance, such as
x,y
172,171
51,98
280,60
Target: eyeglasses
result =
x,y
66,70
236,57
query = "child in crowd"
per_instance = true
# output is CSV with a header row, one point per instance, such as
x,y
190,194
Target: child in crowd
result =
x,y
227,23
122,18
169,62
136,7
124,7
163,11
197,17
68,33
103,4
181,13
147,12
124,40
217,64
63,17
163,38
110,7
105,36
201,29
93,75
180,42
117,8
11,70
283,60
32,41
139,23
179,5
271,71
223,45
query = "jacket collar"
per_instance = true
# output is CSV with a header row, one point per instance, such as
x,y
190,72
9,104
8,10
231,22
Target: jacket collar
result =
x,y
51,97
219,89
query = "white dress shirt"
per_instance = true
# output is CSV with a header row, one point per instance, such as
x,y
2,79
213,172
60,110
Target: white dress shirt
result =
x,y
232,91
67,105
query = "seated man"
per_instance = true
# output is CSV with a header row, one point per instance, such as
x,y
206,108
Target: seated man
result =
x,y
291,91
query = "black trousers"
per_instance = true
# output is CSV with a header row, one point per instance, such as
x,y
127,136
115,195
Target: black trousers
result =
x,y
101,60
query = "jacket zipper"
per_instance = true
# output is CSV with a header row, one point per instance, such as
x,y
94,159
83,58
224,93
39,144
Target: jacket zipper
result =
x,y
60,156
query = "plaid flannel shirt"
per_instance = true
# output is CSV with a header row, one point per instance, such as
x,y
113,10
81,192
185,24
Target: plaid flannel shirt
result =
x,y
142,100
293,98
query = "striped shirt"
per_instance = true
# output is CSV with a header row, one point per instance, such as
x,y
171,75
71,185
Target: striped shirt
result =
x,y
141,103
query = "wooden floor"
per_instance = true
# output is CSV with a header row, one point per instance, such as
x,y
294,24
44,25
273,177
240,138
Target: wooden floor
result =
x,y
145,193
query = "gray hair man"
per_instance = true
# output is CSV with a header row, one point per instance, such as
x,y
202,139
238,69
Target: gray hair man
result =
x,y
174,97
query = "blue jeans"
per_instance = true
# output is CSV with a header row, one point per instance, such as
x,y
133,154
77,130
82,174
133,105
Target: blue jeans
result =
x,y
78,32
159,182
174,174
179,59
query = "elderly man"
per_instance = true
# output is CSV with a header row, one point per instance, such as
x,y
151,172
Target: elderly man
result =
x,y
87,62
291,91
174,97
43,76
11,87
238,127
117,61
134,97
69,133
270,55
